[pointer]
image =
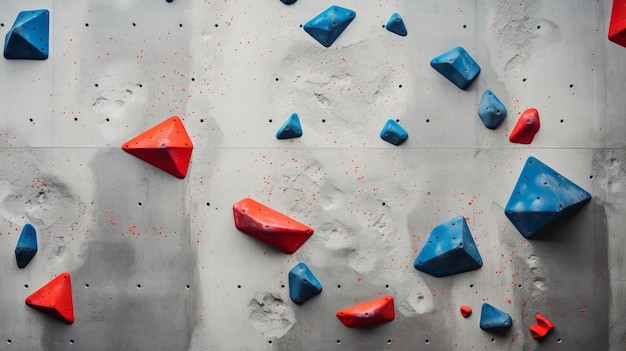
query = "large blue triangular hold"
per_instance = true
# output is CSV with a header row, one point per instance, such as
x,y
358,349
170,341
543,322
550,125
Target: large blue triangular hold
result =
x,y
458,66
392,132
328,25
303,285
290,129
491,110
542,197
396,25
26,246
494,320
28,38
450,250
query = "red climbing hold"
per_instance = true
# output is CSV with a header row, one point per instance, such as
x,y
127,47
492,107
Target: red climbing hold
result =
x,y
526,128
377,311
466,311
268,225
617,26
55,299
166,146
542,328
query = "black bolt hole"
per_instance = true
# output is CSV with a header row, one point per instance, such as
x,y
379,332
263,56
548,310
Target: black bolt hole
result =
x,y
388,341
387,286
208,204
180,25
75,118
25,286
188,286
562,121
427,342
139,203
216,25
538,27
464,26
238,286
96,85
591,177
571,85
134,24
269,341
201,120
338,286
8,341
86,286
523,80
71,341
397,120
277,79
138,286
270,120
323,121
384,204
108,119
338,341
400,86
471,285
427,120
86,24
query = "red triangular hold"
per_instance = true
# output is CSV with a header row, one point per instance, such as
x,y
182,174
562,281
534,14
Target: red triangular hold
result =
x,y
617,25
542,328
380,310
166,146
55,299
268,225
527,126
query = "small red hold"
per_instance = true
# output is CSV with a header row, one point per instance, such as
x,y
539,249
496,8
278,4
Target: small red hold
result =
x,y
466,311
526,128
542,328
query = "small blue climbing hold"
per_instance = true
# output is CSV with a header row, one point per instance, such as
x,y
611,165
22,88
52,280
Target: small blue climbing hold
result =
x,y
491,110
494,320
396,25
450,249
26,246
28,38
288,2
328,25
303,285
392,132
542,197
458,66
290,129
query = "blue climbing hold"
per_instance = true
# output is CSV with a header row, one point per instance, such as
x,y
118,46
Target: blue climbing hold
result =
x,y
396,25
491,110
288,2
28,38
542,197
450,250
290,129
458,66
328,25
26,246
392,132
303,285
494,320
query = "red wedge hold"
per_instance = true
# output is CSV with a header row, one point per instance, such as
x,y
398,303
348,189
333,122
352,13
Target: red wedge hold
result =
x,y
526,128
55,299
166,146
270,226
617,26
466,311
380,310
542,328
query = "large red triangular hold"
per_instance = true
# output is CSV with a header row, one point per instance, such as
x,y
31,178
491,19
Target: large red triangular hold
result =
x,y
166,146
542,328
55,299
380,310
266,224
617,26
526,128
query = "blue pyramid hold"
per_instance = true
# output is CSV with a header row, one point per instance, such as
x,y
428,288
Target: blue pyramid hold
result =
x,y
396,25
288,2
392,132
491,110
542,197
26,246
303,285
494,320
458,66
290,129
450,250
28,38
328,25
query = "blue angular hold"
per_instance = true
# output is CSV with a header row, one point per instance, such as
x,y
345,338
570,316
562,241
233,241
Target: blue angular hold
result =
x,y
450,250
28,38
26,246
303,285
328,25
392,132
458,66
491,110
288,2
494,320
542,197
290,129
396,25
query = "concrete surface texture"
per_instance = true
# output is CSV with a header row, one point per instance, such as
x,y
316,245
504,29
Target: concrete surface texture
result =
x,y
156,262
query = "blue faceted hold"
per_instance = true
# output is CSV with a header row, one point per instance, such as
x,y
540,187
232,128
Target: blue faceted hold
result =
x,y
494,320
303,285
288,2
491,110
392,132
450,250
458,66
26,246
328,25
396,25
542,197
28,38
290,129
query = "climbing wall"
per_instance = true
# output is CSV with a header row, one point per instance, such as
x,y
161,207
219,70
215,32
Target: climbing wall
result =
x,y
383,151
